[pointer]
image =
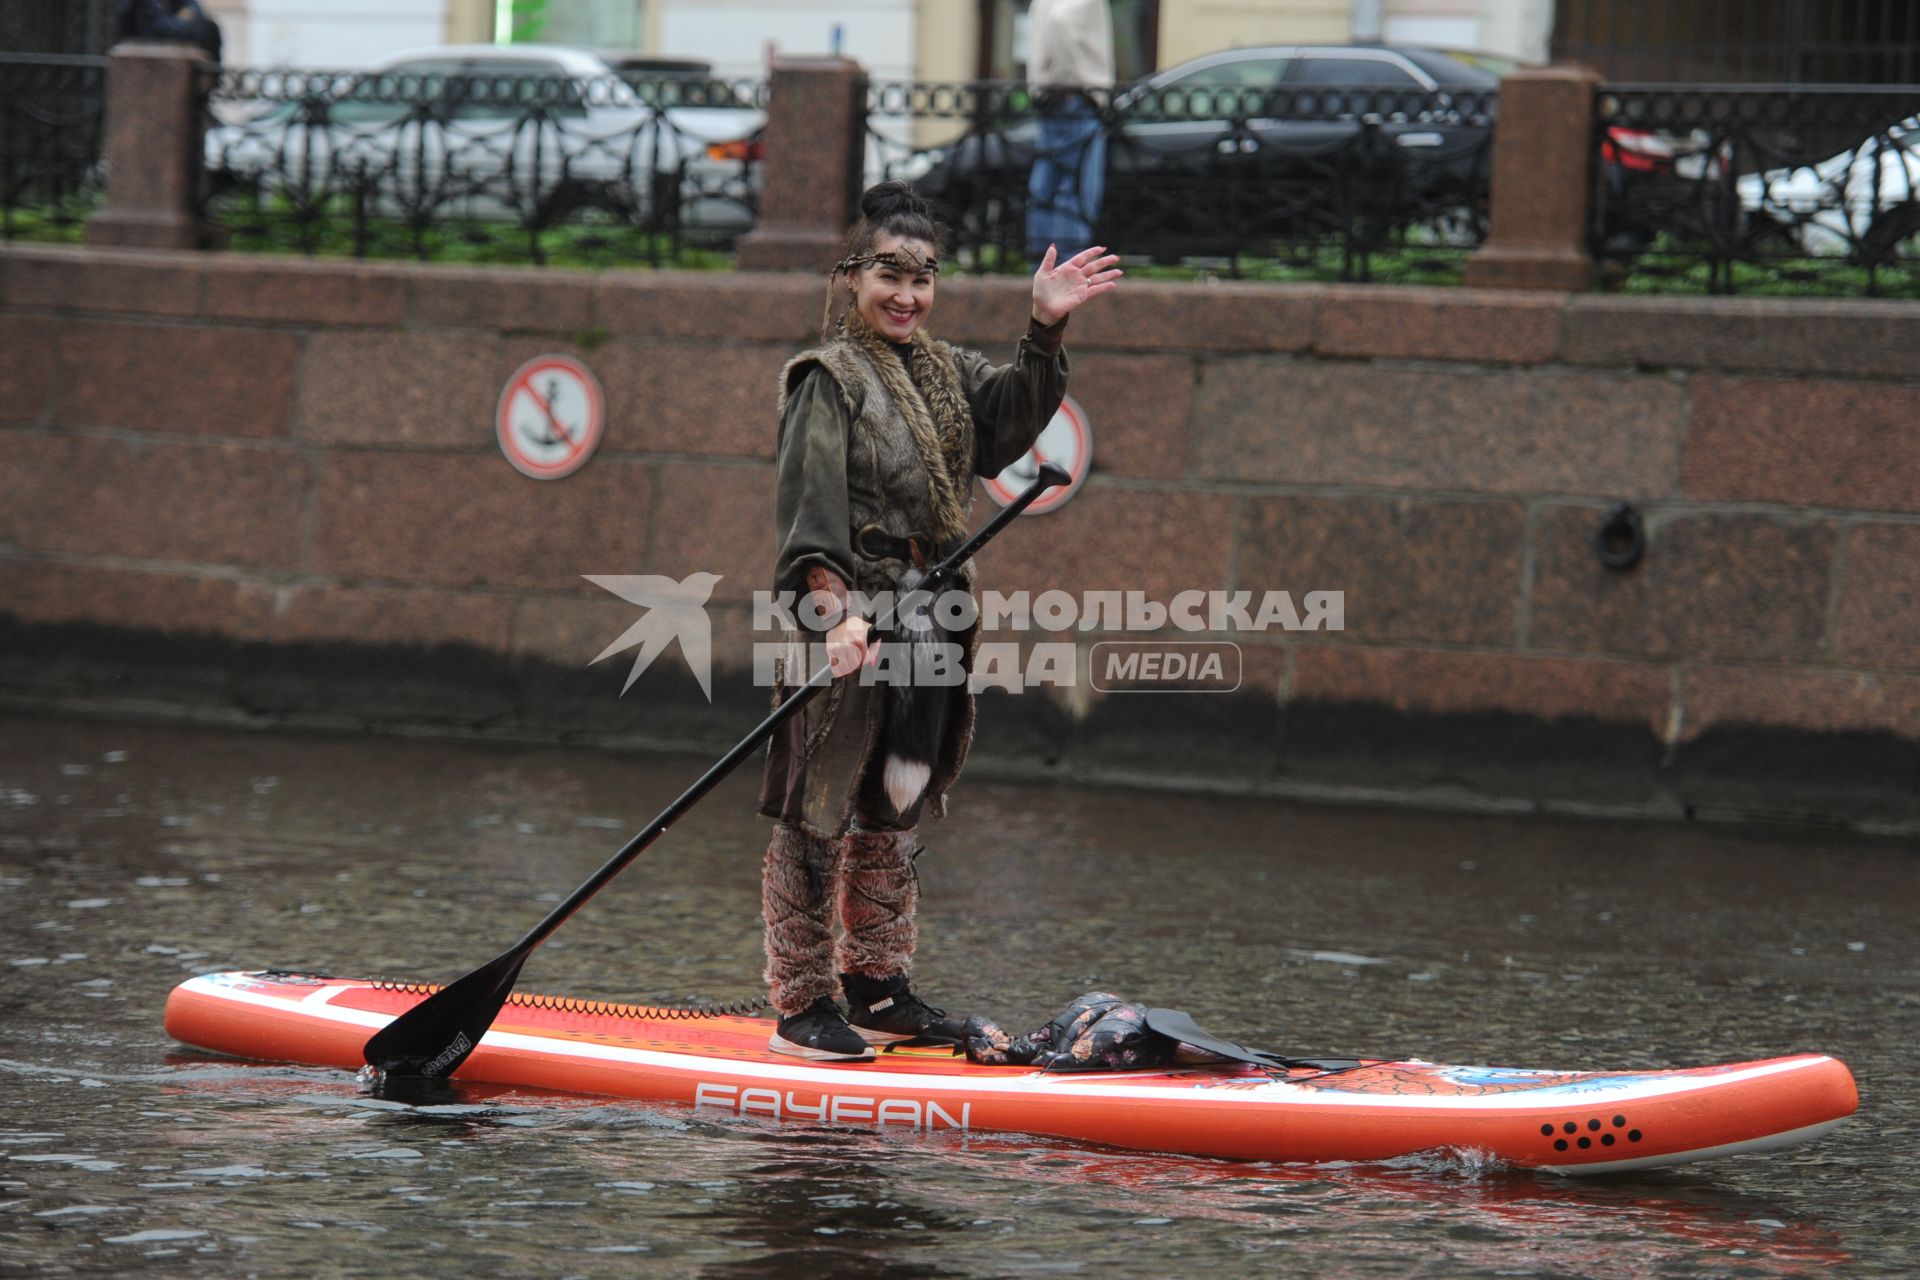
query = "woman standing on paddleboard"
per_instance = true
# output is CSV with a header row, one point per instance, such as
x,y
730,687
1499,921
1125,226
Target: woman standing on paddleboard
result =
x,y
882,431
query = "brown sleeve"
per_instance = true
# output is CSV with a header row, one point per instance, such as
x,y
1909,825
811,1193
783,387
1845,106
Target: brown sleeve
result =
x,y
810,486
1012,403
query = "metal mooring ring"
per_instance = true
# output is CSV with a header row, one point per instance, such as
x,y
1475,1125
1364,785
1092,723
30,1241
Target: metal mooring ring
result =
x,y
1622,538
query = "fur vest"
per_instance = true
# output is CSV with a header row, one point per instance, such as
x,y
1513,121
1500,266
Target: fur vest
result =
x,y
910,453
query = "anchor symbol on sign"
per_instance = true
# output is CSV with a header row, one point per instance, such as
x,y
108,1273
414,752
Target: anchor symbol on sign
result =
x,y
556,433
550,417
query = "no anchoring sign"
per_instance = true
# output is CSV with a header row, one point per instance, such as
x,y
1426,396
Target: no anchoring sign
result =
x,y
1067,440
550,417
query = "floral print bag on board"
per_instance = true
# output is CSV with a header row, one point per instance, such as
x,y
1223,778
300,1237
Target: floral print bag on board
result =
x,y
1098,1032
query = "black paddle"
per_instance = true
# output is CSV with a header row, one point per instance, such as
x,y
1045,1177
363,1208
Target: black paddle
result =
x,y
435,1036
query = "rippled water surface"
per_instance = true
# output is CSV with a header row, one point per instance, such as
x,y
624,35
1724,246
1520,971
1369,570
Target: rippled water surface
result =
x,y
131,858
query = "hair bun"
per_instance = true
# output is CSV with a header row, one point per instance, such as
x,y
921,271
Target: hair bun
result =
x,y
887,200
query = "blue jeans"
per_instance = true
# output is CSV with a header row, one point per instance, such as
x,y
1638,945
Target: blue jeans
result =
x,y
1068,178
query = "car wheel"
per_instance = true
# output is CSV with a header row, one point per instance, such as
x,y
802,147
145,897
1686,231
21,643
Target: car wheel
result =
x,y
1460,227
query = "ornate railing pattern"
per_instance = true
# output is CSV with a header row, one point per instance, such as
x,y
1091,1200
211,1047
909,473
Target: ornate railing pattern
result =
x,y
1789,189
482,167
1353,184
51,109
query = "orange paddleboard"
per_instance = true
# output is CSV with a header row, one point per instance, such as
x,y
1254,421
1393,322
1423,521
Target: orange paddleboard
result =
x,y
1564,1121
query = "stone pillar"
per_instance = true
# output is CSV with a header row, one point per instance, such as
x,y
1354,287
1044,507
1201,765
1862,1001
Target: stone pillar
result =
x,y
152,147
1542,184
816,138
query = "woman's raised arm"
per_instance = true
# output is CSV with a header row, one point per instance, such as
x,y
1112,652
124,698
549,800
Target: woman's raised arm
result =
x,y
1060,288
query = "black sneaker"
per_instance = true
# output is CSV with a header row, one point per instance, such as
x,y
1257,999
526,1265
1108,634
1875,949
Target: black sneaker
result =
x,y
885,1011
820,1031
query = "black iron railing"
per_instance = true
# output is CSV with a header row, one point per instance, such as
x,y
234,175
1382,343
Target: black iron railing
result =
x,y
1742,41
51,109
1350,184
483,167
85,27
1774,189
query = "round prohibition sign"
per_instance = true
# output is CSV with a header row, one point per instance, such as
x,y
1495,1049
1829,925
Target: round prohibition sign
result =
x,y
551,417
1067,440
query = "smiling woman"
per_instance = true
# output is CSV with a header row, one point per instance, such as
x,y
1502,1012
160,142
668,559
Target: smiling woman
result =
x,y
882,430
894,294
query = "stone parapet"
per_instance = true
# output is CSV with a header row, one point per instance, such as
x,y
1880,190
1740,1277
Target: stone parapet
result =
x,y
1540,217
153,131
1851,337
817,132
264,500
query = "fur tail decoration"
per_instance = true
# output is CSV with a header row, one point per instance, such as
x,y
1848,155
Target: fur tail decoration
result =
x,y
917,704
905,779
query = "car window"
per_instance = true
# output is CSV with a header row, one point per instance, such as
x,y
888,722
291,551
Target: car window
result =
x,y
1224,89
494,89
1243,73
1451,72
388,95
512,67
1348,71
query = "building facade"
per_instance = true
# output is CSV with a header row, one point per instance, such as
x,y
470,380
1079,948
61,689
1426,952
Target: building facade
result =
x,y
1752,41
1744,41
942,40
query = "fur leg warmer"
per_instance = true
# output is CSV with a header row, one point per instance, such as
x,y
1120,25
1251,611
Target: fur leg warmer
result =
x,y
796,903
879,891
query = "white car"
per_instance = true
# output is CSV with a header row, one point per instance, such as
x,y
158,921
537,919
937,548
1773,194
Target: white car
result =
x,y
534,133
1863,202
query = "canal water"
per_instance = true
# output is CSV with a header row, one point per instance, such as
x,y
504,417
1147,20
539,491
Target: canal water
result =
x,y
133,857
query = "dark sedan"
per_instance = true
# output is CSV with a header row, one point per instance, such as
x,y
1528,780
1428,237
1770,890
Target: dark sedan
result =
x,y
1247,151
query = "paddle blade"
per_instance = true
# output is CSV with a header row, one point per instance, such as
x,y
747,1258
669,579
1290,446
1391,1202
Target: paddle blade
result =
x,y
434,1037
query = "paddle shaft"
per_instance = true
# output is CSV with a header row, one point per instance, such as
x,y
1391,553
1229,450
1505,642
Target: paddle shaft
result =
x,y
933,584
435,1036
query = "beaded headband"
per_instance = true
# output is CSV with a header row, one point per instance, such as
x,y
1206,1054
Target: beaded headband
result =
x,y
903,258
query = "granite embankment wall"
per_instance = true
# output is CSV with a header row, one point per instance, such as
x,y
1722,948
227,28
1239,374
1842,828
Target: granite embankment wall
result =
x,y
269,491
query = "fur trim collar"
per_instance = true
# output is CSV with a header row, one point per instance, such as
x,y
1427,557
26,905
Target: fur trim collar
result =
x,y
934,406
